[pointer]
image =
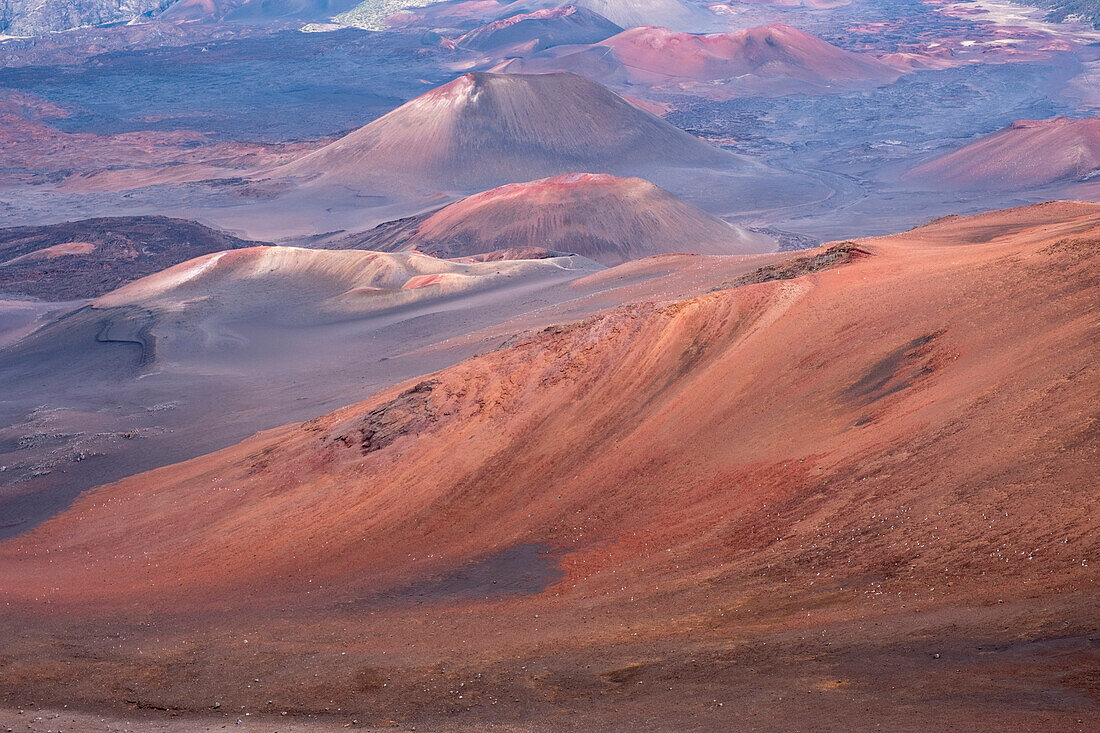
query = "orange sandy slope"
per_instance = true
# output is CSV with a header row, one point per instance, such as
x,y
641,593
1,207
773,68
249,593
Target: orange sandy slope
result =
x,y
931,371
911,432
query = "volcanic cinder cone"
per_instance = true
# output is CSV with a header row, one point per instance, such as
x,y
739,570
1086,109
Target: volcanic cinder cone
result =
x,y
598,216
482,130
1026,154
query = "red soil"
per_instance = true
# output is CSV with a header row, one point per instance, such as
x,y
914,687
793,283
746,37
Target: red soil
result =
x,y
777,502
422,281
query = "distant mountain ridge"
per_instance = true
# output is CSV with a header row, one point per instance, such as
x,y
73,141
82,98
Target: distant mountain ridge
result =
x,y
36,17
1063,10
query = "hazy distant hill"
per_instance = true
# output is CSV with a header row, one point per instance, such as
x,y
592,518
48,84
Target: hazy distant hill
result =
x,y
1061,10
34,17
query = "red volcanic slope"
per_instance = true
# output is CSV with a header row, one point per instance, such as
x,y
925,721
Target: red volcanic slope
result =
x,y
770,60
482,130
601,217
534,31
821,479
776,50
1025,154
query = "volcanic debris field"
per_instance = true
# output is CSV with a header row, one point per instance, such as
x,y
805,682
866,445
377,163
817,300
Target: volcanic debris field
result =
x,y
607,366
